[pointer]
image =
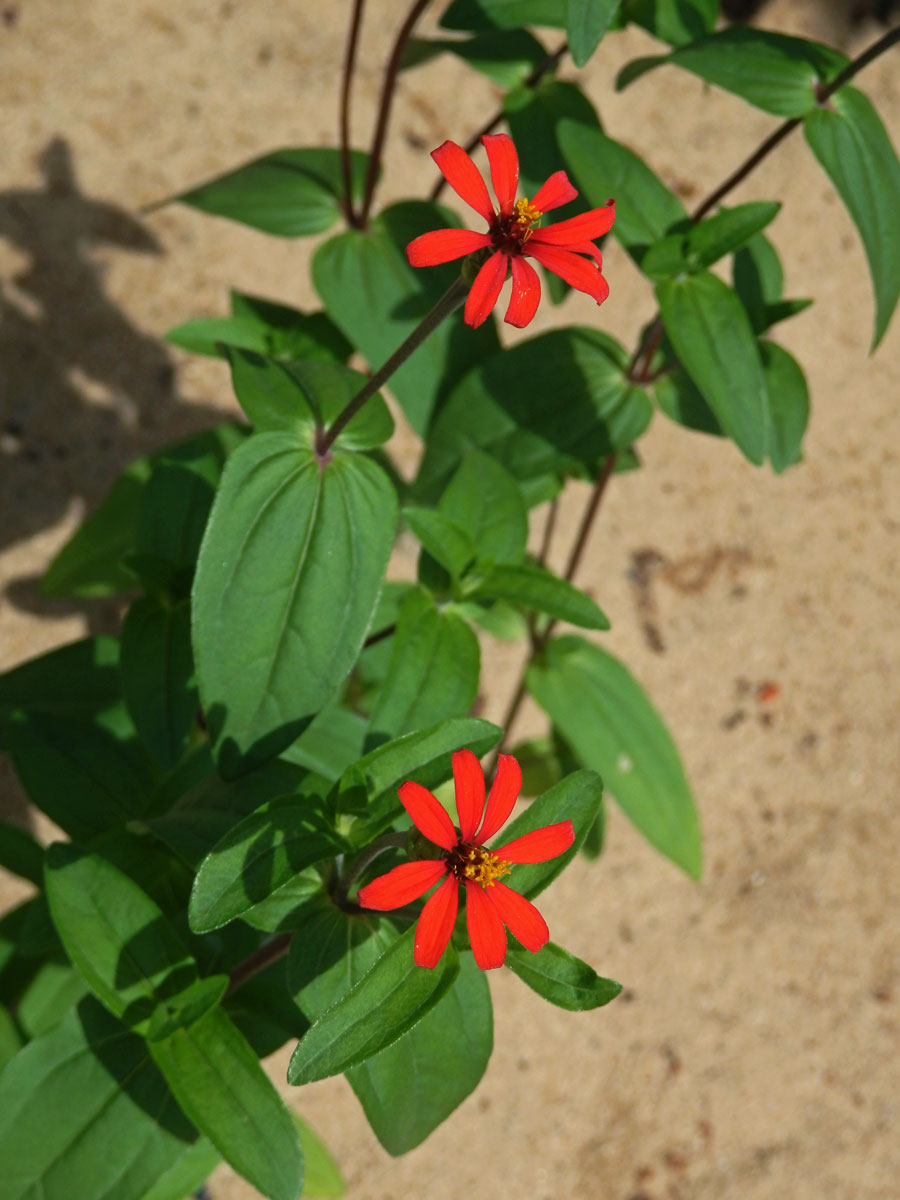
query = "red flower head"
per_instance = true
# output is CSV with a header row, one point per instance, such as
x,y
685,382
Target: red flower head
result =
x,y
490,904
514,233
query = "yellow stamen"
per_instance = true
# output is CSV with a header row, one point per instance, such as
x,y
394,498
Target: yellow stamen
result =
x,y
526,214
481,866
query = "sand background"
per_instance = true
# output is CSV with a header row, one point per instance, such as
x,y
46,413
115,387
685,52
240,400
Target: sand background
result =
x,y
754,1052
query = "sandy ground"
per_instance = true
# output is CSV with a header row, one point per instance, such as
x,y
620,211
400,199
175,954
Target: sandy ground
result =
x,y
754,1051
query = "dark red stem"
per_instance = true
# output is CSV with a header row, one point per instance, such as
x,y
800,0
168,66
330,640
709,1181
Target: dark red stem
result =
x,y
346,83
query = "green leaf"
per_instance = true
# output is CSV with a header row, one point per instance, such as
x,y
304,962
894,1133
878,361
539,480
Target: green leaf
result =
x,y
603,168
289,575
86,1085
290,193
673,21
411,1087
275,330
174,508
534,587
53,992
577,798
82,777
711,333
507,58
388,1000
157,676
776,73
509,407
758,278
333,739
442,537
79,680
187,1174
120,942
678,397
562,978
849,140
20,853
788,405
301,397
698,246
534,116
221,1087
322,1178
10,1038
606,718
586,23
377,299
263,852
433,673
484,498
503,14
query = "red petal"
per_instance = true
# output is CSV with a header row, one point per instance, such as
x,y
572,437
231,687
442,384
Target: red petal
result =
x,y
464,177
539,845
581,274
402,885
469,780
504,164
583,228
486,931
556,191
428,814
521,917
485,290
436,924
443,245
504,793
526,293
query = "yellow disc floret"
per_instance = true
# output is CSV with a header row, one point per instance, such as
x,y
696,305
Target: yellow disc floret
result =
x,y
527,214
477,864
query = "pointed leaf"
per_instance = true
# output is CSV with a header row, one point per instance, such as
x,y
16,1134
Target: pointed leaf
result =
x,y
157,676
539,589
562,978
442,537
586,23
503,14
484,498
788,405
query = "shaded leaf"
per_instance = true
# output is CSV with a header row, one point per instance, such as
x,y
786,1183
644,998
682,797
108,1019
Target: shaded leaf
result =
x,y
561,978
536,588
157,676
586,23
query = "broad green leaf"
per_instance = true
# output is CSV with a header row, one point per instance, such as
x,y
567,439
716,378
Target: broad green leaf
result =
x,y
678,397
290,193
121,943
10,1038
265,850
157,676
507,58
370,785
673,21
698,246
413,1086
758,278
221,1087
606,718
332,741
78,680
562,978
509,407
445,540
303,396
389,999
82,777
576,798
87,1085
545,761
778,74
603,168
504,14
849,140
534,116
377,300
586,23
266,328
484,498
433,673
20,853
711,333
289,575
264,1012
52,993
534,587
187,1174
322,1178
788,398
172,516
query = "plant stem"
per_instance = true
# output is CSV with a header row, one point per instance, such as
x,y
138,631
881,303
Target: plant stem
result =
x,y
448,303
549,527
258,961
346,82
387,841
384,107
549,63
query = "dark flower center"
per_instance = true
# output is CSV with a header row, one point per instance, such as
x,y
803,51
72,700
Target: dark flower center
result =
x,y
466,861
510,233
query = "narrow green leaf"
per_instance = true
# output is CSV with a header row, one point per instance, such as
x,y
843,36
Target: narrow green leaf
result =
x,y
221,1087
157,676
442,537
172,515
536,588
727,230
503,14
265,850
849,140
534,117
586,23
711,333
433,673
788,405
264,327
52,993
387,1001
484,498
606,718
561,978
290,193
758,278
279,615
673,21
507,58
20,853
322,1178
187,1174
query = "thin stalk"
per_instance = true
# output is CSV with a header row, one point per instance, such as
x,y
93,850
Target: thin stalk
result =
x,y
384,107
258,961
448,303
346,83
549,528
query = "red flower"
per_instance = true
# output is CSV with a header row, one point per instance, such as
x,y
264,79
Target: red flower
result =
x,y
490,904
512,233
